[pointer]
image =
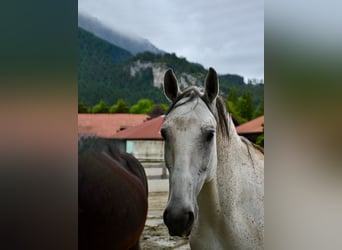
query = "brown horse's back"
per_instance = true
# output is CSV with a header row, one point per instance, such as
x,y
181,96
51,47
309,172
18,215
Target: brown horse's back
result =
x,y
112,197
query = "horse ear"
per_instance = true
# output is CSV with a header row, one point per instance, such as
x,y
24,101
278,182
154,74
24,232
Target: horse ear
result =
x,y
211,85
171,89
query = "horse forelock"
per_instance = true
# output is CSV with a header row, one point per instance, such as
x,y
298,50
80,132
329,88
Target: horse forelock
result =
x,y
218,110
189,93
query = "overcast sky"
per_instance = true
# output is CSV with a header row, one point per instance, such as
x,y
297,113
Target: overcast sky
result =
x,y
225,34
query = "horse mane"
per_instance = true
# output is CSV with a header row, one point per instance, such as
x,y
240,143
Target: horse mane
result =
x,y
220,114
250,144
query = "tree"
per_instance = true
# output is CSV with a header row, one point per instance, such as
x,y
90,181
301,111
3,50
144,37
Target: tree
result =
x,y
119,107
246,106
232,96
143,106
233,105
82,108
234,110
101,107
259,110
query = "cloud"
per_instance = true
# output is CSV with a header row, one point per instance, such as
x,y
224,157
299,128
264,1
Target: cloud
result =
x,y
225,34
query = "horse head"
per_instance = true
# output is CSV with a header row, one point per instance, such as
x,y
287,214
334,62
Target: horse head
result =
x,y
189,132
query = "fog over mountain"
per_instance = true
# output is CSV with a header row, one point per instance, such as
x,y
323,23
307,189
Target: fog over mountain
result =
x,y
132,43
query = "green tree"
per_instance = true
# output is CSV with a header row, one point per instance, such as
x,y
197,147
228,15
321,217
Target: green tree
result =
x,y
246,106
143,106
232,96
82,108
119,107
101,107
259,111
233,105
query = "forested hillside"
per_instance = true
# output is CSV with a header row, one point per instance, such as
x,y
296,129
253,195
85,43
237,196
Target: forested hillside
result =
x,y
103,74
108,73
182,67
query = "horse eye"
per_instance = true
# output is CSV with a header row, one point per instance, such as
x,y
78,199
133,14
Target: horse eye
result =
x,y
210,135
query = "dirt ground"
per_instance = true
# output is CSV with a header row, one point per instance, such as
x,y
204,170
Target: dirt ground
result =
x,y
155,234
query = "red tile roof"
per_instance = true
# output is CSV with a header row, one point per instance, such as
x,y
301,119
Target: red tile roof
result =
x,y
253,126
137,127
106,125
149,130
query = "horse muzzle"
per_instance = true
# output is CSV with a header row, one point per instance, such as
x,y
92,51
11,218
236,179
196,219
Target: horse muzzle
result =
x,y
179,221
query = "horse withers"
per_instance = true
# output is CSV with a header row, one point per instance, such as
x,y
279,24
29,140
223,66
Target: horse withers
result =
x,y
216,177
112,197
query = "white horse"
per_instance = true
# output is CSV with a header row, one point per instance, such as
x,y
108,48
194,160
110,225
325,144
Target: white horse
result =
x,y
216,177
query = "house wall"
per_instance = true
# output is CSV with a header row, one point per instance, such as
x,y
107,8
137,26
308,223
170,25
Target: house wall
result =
x,y
146,150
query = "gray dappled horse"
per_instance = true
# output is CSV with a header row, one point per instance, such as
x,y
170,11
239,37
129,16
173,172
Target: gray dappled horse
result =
x,y
216,177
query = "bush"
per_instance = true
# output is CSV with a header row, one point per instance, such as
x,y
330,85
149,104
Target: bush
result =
x,y
101,107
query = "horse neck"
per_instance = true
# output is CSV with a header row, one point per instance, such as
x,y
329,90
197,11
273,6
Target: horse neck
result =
x,y
239,170
225,201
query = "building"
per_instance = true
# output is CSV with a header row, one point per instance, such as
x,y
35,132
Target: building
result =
x,y
144,140
251,129
105,126
140,136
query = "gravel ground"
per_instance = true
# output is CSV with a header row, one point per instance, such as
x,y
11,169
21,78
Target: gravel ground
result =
x,y
157,237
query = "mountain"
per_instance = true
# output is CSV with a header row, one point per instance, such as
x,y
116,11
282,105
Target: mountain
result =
x,y
109,72
131,43
189,74
92,49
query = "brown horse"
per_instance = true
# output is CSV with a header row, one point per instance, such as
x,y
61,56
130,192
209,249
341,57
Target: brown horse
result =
x,y
112,197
